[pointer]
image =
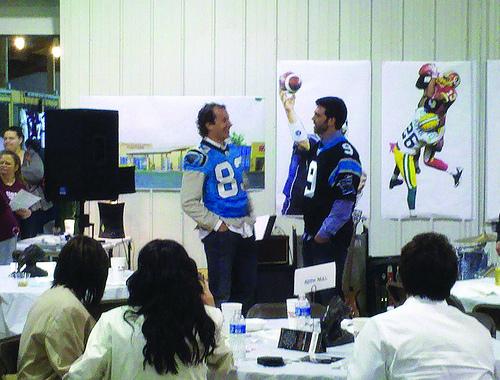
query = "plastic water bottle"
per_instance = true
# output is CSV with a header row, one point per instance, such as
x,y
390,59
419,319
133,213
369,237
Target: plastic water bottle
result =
x,y
237,333
303,314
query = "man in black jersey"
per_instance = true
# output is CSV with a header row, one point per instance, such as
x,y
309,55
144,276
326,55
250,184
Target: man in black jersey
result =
x,y
333,175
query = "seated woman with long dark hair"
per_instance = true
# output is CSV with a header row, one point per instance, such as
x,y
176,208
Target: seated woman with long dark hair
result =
x,y
165,331
58,324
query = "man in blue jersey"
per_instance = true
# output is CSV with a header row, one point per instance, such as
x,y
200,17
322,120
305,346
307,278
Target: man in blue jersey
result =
x,y
333,176
213,194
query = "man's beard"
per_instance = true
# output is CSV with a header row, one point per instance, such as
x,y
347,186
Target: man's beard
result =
x,y
320,129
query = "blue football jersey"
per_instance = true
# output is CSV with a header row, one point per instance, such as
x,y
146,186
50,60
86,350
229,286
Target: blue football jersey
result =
x,y
223,190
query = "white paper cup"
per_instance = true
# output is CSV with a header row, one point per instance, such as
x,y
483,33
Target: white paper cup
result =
x,y
69,226
228,310
358,324
291,303
118,263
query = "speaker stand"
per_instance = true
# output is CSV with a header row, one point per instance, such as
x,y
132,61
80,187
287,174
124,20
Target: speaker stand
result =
x,y
83,219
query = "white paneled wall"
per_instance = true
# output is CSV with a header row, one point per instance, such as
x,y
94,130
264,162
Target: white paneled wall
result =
x,y
230,47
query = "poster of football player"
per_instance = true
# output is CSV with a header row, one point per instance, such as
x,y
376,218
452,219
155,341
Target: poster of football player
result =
x,y
308,81
492,140
426,148
155,132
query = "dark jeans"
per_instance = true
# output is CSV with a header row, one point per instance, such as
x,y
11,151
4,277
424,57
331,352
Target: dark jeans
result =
x,y
334,250
232,268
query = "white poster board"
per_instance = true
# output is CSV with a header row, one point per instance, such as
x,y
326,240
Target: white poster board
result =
x,y
493,140
155,132
436,194
350,81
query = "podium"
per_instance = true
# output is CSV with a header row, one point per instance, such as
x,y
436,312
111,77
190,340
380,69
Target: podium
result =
x,y
275,271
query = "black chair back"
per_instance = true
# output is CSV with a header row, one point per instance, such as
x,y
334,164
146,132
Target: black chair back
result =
x,y
454,301
492,310
106,305
278,310
486,321
9,350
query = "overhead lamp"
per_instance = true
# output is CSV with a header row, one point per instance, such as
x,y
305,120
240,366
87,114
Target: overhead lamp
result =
x,y
56,51
19,43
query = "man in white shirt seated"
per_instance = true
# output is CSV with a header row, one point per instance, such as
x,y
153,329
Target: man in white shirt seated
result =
x,y
424,338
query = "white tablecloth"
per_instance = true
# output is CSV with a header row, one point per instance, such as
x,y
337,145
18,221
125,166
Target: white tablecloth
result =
x,y
15,301
264,343
475,292
53,244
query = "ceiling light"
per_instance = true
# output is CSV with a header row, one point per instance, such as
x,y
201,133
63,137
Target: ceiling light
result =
x,y
19,43
56,51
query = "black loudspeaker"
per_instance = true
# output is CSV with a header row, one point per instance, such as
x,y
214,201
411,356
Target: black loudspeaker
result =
x,y
111,217
81,154
126,179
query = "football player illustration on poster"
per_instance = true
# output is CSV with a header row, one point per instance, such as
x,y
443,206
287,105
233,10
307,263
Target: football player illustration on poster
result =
x,y
439,94
426,130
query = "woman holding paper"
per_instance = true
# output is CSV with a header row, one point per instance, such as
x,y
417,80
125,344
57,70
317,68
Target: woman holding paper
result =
x,y
11,183
8,230
32,170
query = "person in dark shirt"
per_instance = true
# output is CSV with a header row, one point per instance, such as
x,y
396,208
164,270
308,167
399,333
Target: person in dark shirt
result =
x,y
32,170
8,230
333,176
10,184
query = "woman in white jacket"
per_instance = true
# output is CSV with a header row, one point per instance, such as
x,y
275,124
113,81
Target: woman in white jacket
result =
x,y
165,331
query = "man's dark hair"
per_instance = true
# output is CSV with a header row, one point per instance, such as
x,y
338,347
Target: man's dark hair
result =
x,y
82,266
33,144
428,266
166,290
207,115
17,130
334,107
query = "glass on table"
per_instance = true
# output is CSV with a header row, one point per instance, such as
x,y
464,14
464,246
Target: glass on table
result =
x,y
21,278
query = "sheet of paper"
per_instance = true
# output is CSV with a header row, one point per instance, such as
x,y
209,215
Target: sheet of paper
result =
x,y
260,226
23,199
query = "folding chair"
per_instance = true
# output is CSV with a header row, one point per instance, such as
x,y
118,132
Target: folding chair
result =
x,y
106,305
278,310
492,310
9,349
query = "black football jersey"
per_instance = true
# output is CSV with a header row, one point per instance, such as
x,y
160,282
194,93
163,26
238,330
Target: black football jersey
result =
x,y
334,172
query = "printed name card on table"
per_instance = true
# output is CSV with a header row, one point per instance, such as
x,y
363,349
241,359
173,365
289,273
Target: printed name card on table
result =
x,y
317,277
305,341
